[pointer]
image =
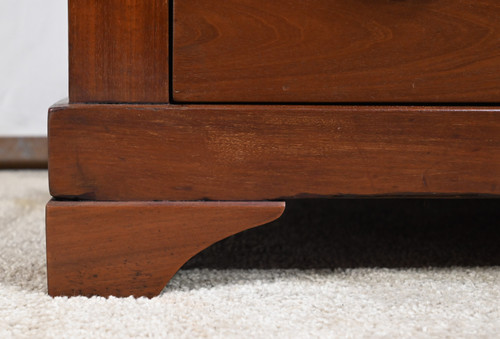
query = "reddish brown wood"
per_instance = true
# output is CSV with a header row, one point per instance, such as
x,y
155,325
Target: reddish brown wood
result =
x,y
215,152
118,51
134,248
336,51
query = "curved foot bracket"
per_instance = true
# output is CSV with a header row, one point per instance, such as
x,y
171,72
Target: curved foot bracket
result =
x,y
134,248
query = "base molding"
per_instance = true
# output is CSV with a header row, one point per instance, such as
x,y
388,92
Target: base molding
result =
x,y
155,184
271,152
134,248
23,152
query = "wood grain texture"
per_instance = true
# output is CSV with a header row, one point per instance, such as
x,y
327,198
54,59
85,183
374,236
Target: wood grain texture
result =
x,y
118,51
134,248
336,51
214,152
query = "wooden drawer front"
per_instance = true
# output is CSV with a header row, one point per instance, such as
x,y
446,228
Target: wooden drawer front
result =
x,y
336,51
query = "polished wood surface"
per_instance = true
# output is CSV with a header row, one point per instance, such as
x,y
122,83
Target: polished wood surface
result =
x,y
134,248
118,51
336,51
233,152
114,146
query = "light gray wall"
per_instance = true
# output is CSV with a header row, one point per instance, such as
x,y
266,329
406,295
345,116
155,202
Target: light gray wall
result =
x,y
33,63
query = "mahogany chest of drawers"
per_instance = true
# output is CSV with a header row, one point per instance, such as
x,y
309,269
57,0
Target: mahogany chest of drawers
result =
x,y
191,120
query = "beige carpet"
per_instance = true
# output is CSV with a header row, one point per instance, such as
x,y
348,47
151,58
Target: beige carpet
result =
x,y
436,281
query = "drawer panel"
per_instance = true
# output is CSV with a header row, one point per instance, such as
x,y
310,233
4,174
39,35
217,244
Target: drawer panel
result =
x,y
336,51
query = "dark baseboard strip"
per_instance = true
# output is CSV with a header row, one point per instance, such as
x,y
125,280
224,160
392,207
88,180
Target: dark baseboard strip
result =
x,y
23,152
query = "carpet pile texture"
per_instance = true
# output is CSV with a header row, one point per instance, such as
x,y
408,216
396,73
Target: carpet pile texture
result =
x,y
338,268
